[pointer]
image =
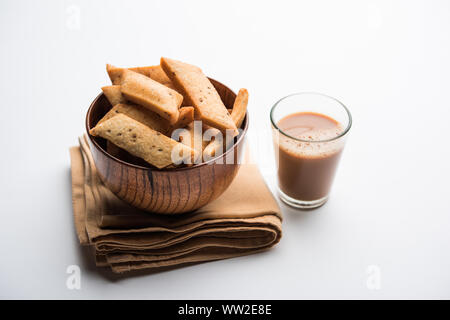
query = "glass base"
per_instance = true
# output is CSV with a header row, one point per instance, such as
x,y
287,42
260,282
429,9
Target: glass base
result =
x,y
300,204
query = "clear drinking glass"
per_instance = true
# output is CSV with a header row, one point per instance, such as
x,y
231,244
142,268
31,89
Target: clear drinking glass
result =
x,y
306,164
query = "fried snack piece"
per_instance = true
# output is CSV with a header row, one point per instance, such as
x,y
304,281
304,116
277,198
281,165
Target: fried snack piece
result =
x,y
141,141
237,114
154,72
186,117
240,107
199,92
113,94
141,114
151,94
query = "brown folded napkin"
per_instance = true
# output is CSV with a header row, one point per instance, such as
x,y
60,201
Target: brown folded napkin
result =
x,y
244,220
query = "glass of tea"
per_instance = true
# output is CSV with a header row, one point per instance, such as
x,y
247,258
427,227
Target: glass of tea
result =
x,y
309,132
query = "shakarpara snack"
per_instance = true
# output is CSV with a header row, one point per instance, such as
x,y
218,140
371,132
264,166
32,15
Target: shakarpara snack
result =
x,y
240,107
186,117
151,94
113,94
154,72
237,114
199,92
141,141
148,116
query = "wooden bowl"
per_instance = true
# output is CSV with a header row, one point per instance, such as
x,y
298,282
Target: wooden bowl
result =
x,y
165,191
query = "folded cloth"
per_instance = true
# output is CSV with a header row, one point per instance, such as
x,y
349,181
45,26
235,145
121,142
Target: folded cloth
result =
x,y
245,219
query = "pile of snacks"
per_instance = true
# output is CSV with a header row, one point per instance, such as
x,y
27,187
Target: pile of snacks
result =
x,y
151,105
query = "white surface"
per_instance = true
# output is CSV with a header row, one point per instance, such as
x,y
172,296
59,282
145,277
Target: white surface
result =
x,y
388,61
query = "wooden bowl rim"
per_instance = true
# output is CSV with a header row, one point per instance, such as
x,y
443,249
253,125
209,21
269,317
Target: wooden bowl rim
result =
x,y
241,137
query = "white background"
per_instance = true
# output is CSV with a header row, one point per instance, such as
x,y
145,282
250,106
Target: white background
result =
x,y
388,61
